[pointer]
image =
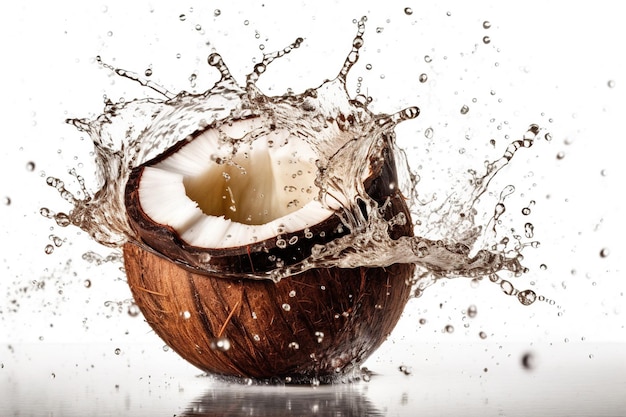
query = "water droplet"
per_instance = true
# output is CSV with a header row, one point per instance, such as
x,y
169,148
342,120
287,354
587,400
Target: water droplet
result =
x,y
292,293
366,375
185,315
286,307
148,72
30,166
294,345
527,297
449,328
404,369
246,22
428,59
319,336
53,375
133,310
543,267
7,201
528,361
604,252
429,132
217,12
192,80
611,83
486,24
408,11
87,283
57,241
166,348
472,311
526,211
507,287
49,249
221,344
529,230
422,321
118,351
486,40
423,78
368,66
62,219
560,155
198,28
182,17
482,335
464,109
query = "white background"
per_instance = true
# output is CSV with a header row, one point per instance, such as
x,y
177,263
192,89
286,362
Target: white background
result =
x,y
548,63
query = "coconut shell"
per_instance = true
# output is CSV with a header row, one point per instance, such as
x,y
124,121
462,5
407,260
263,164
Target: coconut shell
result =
x,y
318,324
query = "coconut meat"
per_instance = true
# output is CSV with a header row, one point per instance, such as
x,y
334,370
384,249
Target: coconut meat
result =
x,y
235,185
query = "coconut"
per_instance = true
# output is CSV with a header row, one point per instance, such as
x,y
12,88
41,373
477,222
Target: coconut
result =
x,y
217,215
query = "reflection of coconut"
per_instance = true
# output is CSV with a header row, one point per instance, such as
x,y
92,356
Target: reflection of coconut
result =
x,y
214,211
264,401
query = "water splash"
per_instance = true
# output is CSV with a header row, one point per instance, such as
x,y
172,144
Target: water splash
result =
x,y
343,132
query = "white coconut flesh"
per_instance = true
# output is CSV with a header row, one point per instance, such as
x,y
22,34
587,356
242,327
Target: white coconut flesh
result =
x,y
216,195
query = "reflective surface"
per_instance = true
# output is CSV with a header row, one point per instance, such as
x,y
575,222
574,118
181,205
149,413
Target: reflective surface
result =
x,y
467,379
